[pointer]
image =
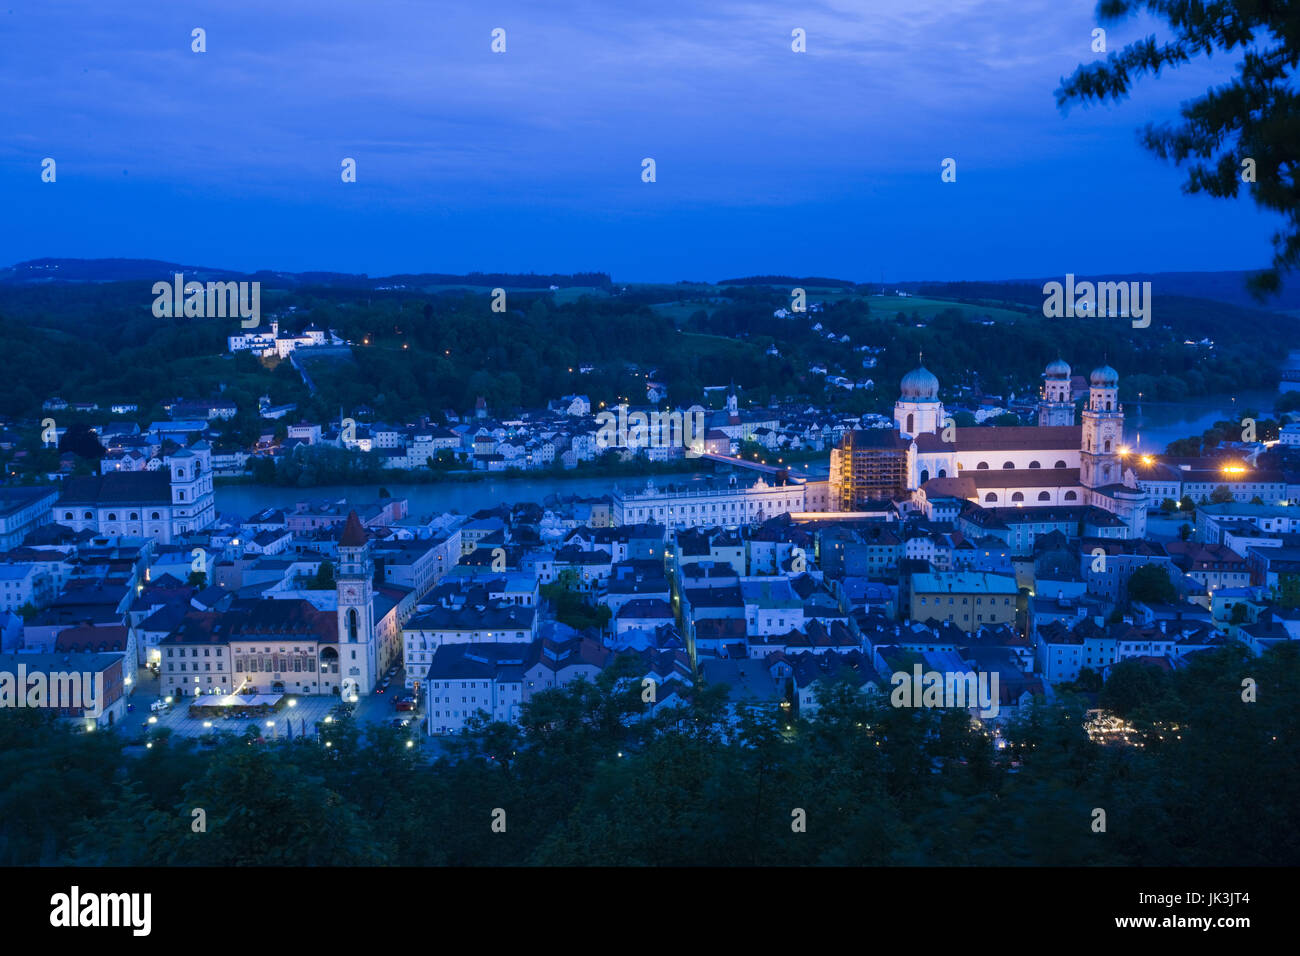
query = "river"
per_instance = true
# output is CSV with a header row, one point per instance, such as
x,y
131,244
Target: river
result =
x,y
1151,426
243,500
465,497
1148,426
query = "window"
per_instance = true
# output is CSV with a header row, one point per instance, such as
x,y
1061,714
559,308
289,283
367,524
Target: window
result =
x,y
112,516
1059,464
1018,496
1071,496
1044,496
991,497
1034,464
982,466
1008,464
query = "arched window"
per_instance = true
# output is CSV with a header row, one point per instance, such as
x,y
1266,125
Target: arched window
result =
x,y
89,516
1059,464
1107,446
156,516
990,497
352,624
1008,464
67,516
1044,496
180,472
1071,496
1034,464
181,495
925,475
112,516
135,516
943,472
910,429
982,466
1018,496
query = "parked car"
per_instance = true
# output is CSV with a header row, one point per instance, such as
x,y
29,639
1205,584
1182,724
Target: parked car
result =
x,y
404,703
158,706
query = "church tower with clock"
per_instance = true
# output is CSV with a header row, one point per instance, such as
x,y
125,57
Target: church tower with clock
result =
x,y
358,667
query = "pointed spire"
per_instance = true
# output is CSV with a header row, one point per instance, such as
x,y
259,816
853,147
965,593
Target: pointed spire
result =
x,y
354,535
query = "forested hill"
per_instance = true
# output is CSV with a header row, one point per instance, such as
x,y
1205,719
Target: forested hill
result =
x,y
424,343
1226,287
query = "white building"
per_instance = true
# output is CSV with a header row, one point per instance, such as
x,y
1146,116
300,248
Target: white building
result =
x,y
730,506
164,505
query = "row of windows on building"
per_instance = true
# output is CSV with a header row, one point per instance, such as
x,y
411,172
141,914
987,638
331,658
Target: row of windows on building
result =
x,y
733,507
112,516
456,637
1009,465
194,651
1019,496
966,600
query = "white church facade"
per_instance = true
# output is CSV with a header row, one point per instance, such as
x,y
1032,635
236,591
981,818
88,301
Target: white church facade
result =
x,y
165,505
1055,463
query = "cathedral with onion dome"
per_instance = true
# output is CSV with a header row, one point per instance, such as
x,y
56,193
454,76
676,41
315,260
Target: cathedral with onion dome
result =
x,y
1053,464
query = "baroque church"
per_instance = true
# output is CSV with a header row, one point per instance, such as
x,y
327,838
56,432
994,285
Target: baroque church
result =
x,y
166,505
1053,464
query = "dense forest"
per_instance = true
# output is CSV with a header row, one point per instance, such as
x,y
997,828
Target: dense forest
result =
x,y
1206,779
422,349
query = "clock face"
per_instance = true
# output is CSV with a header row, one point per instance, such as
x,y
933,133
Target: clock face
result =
x,y
350,592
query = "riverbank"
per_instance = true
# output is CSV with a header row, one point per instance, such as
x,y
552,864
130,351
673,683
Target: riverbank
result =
x,y
241,500
427,476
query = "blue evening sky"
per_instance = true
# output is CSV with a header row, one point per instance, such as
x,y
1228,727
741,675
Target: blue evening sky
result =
x,y
768,161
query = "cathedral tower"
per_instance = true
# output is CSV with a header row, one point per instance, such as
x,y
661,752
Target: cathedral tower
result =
x,y
1056,407
1103,431
918,411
